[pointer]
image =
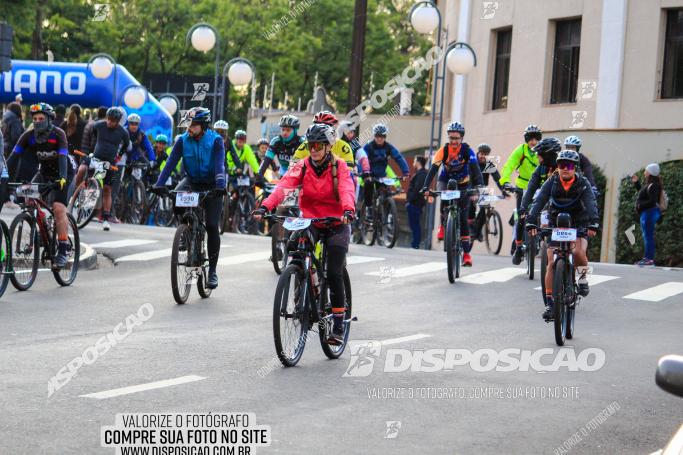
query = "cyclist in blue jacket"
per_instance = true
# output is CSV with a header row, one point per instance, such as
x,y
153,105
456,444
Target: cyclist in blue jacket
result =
x,y
203,155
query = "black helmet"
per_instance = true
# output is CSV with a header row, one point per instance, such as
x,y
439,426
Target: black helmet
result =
x,y
532,132
568,155
199,115
42,108
320,132
484,148
290,120
548,149
456,127
114,113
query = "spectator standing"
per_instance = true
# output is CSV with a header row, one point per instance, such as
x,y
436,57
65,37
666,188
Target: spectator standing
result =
x,y
12,127
415,200
647,206
60,115
74,126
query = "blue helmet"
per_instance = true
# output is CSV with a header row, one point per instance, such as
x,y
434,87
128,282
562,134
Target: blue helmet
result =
x,y
198,114
456,127
573,140
380,129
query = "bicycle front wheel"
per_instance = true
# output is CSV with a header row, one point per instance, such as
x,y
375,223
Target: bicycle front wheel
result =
x,y
367,227
25,251
530,255
325,327
5,257
449,244
389,223
138,202
544,267
67,275
278,247
290,315
202,287
494,232
181,275
560,302
84,202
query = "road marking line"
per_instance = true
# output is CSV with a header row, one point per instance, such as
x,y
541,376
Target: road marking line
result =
x,y
427,267
594,280
493,276
419,336
657,293
146,256
243,258
123,243
143,387
350,260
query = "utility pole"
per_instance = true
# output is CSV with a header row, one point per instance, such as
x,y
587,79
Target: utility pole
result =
x,y
357,52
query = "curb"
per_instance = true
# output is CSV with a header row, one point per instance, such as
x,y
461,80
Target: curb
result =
x,y
88,260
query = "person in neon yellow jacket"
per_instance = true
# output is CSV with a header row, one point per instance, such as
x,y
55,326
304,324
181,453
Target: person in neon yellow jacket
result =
x,y
523,160
245,154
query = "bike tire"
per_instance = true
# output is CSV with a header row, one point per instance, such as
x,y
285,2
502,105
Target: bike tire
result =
x,y
25,253
457,244
367,227
180,285
138,207
559,302
84,216
225,214
67,275
249,204
5,257
278,245
449,245
390,223
530,255
292,275
494,237
332,351
544,267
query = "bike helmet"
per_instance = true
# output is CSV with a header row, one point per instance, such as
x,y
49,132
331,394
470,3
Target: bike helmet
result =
x,y
114,113
326,117
133,118
320,132
380,129
456,127
262,141
568,155
573,140
161,138
199,115
484,148
345,126
289,120
221,125
532,132
241,134
43,108
548,149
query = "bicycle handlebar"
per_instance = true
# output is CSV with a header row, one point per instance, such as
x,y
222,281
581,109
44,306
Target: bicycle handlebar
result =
x,y
325,220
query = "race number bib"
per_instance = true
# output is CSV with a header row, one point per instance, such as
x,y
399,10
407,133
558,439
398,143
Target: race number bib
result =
x,y
243,181
97,165
450,195
296,224
137,173
187,199
29,191
388,181
564,235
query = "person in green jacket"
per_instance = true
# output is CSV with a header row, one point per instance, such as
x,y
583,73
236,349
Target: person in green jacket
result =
x,y
245,154
523,160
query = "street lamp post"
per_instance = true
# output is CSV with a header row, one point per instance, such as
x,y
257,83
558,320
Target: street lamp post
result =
x,y
203,38
170,102
460,59
101,66
240,71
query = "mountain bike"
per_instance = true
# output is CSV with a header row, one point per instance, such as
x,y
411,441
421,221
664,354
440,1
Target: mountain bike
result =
x,y
34,239
302,301
565,289
131,203
383,227
493,224
87,197
189,255
452,244
160,206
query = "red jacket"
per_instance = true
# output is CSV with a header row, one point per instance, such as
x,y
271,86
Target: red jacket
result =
x,y
316,199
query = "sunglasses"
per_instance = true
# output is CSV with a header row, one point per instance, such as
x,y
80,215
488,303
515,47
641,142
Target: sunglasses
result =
x,y
455,138
316,146
564,165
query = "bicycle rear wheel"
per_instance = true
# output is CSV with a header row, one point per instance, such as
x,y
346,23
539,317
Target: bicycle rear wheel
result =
x,y
559,302
389,222
449,245
325,326
290,315
84,201
494,232
544,267
5,257
67,275
181,276
25,251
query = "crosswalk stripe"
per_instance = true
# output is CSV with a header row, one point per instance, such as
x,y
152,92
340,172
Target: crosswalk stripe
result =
x,y
142,387
242,258
123,243
658,293
404,339
146,256
350,260
493,276
427,267
594,279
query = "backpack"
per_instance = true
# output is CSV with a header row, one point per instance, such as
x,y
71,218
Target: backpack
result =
x,y
663,200
335,180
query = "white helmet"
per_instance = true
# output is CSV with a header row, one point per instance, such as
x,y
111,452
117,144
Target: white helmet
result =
x,y
133,118
573,140
221,125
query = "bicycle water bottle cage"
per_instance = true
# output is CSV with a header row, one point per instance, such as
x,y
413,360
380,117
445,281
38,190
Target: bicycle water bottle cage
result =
x,y
564,220
452,185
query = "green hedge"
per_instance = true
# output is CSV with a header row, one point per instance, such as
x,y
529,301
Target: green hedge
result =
x,y
596,242
668,234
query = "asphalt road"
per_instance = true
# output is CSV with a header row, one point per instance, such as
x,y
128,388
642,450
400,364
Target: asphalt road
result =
x,y
222,350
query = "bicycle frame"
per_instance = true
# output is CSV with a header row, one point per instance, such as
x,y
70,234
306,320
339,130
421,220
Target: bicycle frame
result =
x,y
193,217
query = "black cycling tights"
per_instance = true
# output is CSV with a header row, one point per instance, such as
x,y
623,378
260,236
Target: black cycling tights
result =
x,y
336,255
212,217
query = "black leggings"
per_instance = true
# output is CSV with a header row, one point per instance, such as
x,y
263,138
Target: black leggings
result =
x,y
213,206
337,245
368,193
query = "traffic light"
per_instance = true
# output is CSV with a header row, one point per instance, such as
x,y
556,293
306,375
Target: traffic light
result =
x,y
5,46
